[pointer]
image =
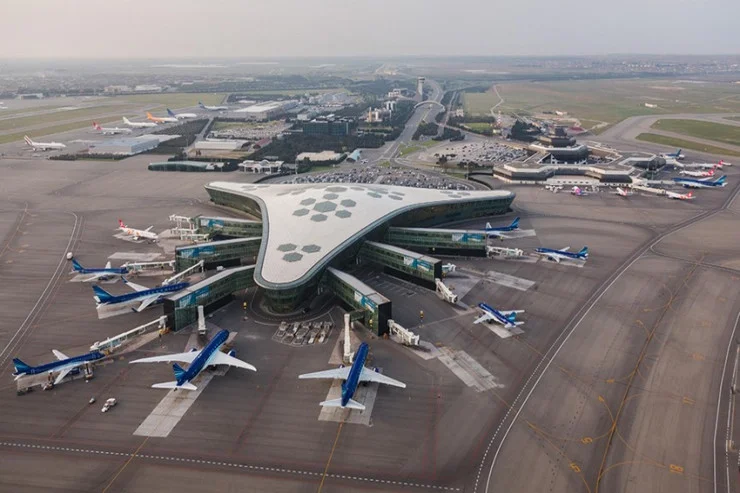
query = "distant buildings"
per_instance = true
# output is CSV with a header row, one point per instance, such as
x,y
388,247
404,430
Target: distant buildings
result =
x,y
319,156
268,110
117,89
147,88
328,126
125,146
264,166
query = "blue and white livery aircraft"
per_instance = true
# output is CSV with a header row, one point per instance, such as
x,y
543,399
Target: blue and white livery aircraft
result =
x,y
98,274
210,355
63,365
701,183
147,296
562,254
674,155
498,232
506,318
352,377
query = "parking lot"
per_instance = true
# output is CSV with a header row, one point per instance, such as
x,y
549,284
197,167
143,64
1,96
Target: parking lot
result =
x,y
384,176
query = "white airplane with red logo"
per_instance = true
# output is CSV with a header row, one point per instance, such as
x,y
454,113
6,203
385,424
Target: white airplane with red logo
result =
x,y
43,146
698,174
623,193
679,196
138,233
110,130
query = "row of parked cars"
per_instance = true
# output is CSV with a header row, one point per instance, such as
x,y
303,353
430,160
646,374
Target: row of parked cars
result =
x,y
299,333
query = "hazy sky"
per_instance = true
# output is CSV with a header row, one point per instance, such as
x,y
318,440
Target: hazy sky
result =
x,y
270,28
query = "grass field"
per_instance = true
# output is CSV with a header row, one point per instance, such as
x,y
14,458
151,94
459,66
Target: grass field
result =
x,y
292,92
28,109
479,127
60,116
686,144
175,100
4,139
479,103
608,101
728,134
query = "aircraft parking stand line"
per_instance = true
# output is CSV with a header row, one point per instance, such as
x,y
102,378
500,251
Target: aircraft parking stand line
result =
x,y
365,395
500,278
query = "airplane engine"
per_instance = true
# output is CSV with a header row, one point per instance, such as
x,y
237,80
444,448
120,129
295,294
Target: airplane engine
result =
x,y
232,353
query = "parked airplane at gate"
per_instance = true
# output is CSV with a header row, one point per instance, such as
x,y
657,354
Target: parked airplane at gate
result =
x,y
498,231
678,196
160,119
98,274
673,155
352,377
138,124
507,318
695,183
111,130
43,146
138,233
623,193
698,174
181,116
212,108
147,296
63,365
562,254
210,355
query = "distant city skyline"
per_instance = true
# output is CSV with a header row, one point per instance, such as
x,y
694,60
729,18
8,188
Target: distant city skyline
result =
x,y
327,28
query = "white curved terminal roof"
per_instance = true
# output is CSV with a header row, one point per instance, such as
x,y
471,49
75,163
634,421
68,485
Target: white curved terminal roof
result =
x,y
306,225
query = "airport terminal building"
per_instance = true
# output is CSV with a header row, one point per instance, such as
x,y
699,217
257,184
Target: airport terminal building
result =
x,y
311,231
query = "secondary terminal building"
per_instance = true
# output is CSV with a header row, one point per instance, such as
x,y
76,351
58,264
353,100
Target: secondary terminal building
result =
x,y
311,232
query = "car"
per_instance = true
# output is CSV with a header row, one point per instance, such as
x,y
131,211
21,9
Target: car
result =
x,y
111,402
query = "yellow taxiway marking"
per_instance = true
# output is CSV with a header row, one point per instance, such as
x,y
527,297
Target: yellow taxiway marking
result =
x,y
688,400
126,464
331,454
575,467
697,356
587,440
676,469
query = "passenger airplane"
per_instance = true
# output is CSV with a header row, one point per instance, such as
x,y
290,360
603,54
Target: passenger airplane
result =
x,y
98,274
718,165
210,355
147,296
558,255
694,183
63,365
352,377
212,108
43,146
138,124
111,130
678,196
181,116
160,119
623,193
698,174
673,155
138,233
497,232
505,318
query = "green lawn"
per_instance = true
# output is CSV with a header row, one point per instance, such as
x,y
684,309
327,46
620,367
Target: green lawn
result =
x,y
176,99
728,134
479,127
686,144
59,116
408,149
479,103
28,109
4,139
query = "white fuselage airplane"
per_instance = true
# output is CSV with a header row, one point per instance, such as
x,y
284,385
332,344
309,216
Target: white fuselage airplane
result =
x,y
507,318
698,174
679,196
138,124
111,130
160,119
181,116
43,146
138,233
623,193
212,108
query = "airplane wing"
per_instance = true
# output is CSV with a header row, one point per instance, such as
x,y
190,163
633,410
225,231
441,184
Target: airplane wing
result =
x,y
135,287
148,229
221,358
564,249
146,302
484,318
338,373
507,313
61,375
168,358
60,355
95,277
368,375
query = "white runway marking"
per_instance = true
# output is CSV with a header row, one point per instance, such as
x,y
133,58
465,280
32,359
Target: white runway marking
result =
x,y
468,370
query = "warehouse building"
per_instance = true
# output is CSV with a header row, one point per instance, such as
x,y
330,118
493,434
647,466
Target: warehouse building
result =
x,y
127,146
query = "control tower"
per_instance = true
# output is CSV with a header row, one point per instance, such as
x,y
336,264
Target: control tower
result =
x,y
420,88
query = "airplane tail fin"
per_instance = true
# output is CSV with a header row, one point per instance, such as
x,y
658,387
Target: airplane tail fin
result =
x,y
28,140
201,104
96,126
102,295
691,194
20,366
173,385
584,252
125,120
169,112
76,265
179,372
515,223
352,404
511,317
488,225
721,179
120,223
149,116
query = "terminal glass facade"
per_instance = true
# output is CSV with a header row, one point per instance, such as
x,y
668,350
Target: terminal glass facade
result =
x,y
228,226
405,261
431,239
235,201
360,296
240,250
446,213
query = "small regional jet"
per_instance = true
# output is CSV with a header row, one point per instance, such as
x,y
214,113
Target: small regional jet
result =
x,y
623,193
507,318
43,146
678,196
160,119
704,183
210,355
352,377
673,155
137,234
147,296
138,124
562,254
63,365
698,174
98,274
181,116
498,231
111,130
212,108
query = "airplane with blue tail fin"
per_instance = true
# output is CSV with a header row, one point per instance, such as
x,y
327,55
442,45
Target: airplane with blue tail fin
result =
x,y
147,296
63,365
96,273
507,318
562,254
701,183
210,355
498,232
